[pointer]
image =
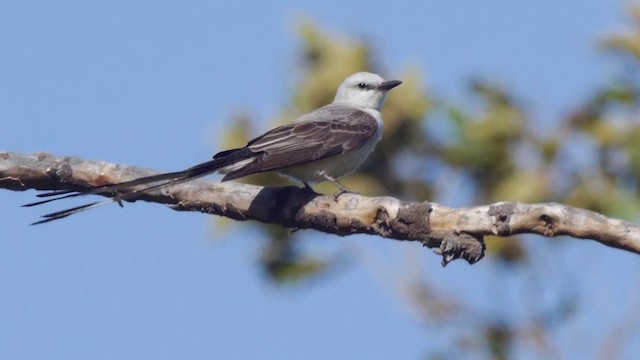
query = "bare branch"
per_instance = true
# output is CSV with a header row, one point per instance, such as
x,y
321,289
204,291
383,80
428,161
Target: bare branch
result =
x,y
454,233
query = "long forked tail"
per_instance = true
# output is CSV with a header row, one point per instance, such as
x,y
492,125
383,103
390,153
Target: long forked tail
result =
x,y
154,182
64,194
115,199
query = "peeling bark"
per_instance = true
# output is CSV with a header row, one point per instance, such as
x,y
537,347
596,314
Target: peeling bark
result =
x,y
452,233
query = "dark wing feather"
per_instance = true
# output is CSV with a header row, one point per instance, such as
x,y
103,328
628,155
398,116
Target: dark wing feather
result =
x,y
340,130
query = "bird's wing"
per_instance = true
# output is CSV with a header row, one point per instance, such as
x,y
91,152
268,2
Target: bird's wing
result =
x,y
328,131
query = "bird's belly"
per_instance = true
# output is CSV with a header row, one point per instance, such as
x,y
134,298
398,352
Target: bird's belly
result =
x,y
335,166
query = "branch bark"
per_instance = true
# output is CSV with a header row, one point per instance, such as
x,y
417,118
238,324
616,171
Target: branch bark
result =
x,y
453,233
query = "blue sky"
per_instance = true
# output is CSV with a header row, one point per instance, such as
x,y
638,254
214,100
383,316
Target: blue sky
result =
x,y
152,84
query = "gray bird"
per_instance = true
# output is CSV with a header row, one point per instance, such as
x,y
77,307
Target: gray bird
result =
x,y
322,145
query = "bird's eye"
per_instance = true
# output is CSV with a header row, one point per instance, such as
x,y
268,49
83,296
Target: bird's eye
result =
x,y
362,86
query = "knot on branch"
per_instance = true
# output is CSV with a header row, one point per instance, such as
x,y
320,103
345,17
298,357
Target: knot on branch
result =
x,y
502,214
412,221
458,246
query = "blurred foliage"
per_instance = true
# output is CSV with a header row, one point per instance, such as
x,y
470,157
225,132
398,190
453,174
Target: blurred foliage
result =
x,y
588,158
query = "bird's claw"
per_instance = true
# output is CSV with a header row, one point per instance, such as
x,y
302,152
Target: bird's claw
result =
x,y
344,191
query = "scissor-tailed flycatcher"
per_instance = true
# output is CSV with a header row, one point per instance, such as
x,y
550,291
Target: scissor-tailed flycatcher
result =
x,y
322,145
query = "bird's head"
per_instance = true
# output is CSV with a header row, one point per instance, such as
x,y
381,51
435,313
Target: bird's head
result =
x,y
364,89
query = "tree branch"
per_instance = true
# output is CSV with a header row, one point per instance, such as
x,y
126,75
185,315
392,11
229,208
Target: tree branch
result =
x,y
453,233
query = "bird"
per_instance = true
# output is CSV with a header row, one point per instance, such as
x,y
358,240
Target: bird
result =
x,y
323,145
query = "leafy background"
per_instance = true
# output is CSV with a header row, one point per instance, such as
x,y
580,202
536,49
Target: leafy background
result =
x,y
526,102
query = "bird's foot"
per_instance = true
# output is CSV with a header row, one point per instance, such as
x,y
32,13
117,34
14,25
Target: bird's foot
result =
x,y
342,189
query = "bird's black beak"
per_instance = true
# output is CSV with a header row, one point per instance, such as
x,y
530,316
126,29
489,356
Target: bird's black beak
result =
x,y
388,85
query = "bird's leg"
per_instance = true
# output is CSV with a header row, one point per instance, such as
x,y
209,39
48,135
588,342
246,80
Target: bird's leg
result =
x,y
342,189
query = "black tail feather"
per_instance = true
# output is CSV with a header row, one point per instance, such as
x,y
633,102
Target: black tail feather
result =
x,y
64,213
221,160
54,199
55,193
